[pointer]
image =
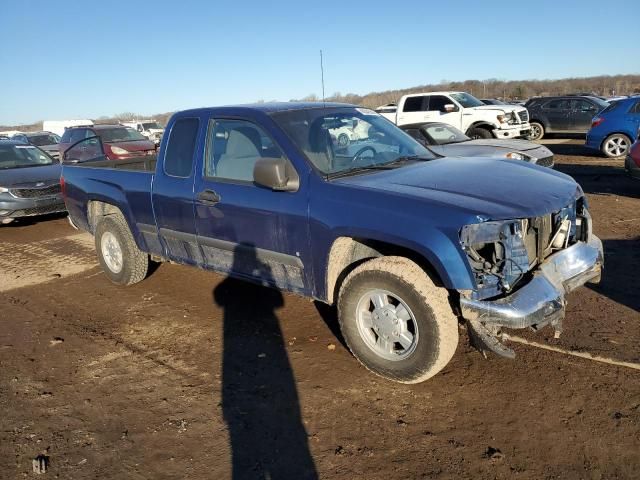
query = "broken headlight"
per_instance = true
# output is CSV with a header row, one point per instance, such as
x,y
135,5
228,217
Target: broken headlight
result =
x,y
497,254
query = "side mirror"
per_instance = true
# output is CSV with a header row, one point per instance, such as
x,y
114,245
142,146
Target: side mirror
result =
x,y
450,107
277,174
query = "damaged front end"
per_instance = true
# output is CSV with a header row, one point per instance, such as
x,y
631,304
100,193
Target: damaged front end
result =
x,y
523,270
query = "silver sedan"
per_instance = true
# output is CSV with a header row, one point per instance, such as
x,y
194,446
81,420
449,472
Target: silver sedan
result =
x,y
448,141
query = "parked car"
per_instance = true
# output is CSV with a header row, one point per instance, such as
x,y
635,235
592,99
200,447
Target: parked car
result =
x,y
565,114
4,137
149,128
29,182
394,238
46,141
614,129
493,101
448,141
116,142
632,162
464,112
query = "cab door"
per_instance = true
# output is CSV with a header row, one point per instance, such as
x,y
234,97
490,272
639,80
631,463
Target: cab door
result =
x,y
173,201
245,229
438,113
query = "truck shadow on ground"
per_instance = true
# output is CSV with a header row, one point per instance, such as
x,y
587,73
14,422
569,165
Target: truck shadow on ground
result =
x,y
259,395
619,278
602,179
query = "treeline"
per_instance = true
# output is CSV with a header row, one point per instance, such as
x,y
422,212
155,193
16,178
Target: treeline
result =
x,y
605,85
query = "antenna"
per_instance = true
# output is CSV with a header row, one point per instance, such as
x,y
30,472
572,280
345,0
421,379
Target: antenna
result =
x,y
322,75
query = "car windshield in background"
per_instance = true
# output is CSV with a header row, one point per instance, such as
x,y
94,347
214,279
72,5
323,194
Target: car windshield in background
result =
x,y
22,156
150,125
442,134
348,139
466,100
117,134
41,140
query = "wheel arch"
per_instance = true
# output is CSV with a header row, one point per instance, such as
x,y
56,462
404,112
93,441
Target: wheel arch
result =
x,y
346,253
97,209
616,132
481,124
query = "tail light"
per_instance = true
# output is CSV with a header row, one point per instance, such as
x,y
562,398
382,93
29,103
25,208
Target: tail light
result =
x,y
63,186
596,121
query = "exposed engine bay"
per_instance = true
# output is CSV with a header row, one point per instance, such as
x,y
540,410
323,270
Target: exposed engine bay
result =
x,y
502,253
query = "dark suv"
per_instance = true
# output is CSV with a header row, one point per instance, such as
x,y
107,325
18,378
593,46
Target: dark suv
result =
x,y
566,114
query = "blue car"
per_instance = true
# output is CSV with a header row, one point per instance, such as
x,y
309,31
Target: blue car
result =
x,y
615,128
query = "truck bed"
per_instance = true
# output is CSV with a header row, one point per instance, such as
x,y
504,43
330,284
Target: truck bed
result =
x,y
125,184
145,163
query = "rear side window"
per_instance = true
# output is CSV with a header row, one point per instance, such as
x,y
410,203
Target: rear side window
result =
x,y
560,104
634,109
413,104
178,158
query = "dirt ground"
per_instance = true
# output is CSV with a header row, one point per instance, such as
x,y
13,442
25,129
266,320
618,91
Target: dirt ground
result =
x,y
191,375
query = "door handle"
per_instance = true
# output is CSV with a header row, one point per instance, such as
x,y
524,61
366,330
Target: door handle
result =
x,y
208,197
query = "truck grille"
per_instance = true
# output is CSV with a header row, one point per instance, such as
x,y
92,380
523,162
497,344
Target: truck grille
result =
x,y
36,192
524,116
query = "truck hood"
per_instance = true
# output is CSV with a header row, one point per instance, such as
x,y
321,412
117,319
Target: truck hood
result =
x,y
489,189
29,176
503,108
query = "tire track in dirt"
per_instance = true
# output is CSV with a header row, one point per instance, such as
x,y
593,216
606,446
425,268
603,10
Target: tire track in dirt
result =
x,y
28,264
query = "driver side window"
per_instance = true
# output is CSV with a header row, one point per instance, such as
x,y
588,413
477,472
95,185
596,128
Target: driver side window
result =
x,y
234,147
437,103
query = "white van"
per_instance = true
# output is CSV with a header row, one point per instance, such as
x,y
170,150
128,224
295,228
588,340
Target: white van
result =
x,y
59,126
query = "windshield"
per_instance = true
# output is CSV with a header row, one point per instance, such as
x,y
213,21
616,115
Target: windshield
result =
x,y
343,139
150,125
119,134
20,156
466,100
441,134
41,140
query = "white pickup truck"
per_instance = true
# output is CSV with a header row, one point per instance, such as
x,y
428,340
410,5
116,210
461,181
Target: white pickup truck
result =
x,y
149,128
463,111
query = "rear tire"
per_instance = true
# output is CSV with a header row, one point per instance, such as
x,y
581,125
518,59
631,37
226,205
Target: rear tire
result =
x,y
119,256
396,321
478,133
616,145
537,131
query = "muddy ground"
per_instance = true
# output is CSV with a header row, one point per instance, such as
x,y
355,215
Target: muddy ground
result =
x,y
188,375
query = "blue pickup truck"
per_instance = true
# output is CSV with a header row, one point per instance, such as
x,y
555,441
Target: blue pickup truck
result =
x,y
407,244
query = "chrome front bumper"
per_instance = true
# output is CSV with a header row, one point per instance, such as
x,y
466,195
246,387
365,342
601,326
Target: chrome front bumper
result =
x,y
542,300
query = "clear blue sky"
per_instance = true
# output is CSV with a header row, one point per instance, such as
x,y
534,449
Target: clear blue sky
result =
x,y
78,59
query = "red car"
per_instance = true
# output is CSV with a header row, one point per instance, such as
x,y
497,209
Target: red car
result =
x,y
632,162
117,142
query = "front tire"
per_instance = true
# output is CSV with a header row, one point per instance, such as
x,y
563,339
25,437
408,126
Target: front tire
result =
x,y
537,131
476,133
120,258
396,321
616,145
